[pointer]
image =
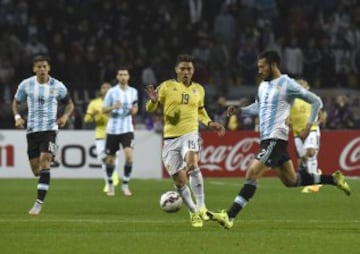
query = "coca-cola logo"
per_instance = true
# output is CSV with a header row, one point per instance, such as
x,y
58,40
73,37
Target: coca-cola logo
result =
x,y
233,157
350,155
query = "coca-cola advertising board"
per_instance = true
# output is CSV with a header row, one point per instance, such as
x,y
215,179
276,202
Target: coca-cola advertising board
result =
x,y
230,155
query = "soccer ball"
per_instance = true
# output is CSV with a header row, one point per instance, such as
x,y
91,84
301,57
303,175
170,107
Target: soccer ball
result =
x,y
170,201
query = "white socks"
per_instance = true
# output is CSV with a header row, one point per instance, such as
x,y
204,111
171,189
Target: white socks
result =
x,y
312,165
197,186
185,193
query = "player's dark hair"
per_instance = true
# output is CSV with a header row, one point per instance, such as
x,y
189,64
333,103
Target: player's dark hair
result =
x,y
123,68
184,58
40,58
271,57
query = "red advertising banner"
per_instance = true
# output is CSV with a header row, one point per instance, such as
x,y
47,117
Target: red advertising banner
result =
x,y
230,155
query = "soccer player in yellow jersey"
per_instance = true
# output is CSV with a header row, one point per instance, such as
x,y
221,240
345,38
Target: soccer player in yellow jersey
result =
x,y
94,115
183,107
307,150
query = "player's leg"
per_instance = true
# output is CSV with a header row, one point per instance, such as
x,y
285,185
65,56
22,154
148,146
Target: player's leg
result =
x,y
311,147
111,147
303,161
176,167
196,183
128,145
267,157
300,152
289,178
33,151
46,147
257,168
226,218
190,152
109,168
128,154
115,175
312,168
255,171
55,161
286,171
100,152
35,165
180,182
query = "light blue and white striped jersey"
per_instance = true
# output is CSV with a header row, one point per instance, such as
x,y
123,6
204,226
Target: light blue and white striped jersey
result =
x,y
120,121
273,104
42,101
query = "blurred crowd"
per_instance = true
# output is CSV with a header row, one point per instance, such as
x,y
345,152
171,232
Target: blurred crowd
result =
x,y
88,39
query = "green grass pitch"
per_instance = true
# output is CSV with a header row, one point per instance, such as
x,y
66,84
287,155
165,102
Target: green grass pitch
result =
x,y
78,218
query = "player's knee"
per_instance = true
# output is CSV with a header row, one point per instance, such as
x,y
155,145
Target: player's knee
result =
x,y
128,162
310,153
290,184
252,174
110,159
179,182
36,172
45,161
180,178
191,166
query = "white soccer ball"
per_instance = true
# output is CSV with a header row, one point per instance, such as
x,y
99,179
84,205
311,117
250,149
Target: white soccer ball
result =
x,y
171,201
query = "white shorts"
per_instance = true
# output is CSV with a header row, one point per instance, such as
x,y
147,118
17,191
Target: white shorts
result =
x,y
100,149
175,150
312,141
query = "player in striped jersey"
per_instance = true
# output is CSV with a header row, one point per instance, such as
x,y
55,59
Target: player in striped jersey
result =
x,y
42,94
307,150
275,95
182,101
121,102
94,115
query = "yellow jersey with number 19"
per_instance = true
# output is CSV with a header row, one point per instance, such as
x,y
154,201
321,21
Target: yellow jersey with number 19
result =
x,y
299,116
183,107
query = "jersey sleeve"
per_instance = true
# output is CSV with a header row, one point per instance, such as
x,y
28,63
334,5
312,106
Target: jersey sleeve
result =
x,y
136,98
162,93
108,99
252,109
294,90
20,94
63,92
89,113
203,115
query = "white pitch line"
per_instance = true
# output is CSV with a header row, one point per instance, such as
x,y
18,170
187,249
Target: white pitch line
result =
x,y
98,221
225,183
39,219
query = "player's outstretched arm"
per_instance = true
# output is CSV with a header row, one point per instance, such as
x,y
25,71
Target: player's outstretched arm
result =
x,y
152,93
218,127
153,101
